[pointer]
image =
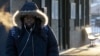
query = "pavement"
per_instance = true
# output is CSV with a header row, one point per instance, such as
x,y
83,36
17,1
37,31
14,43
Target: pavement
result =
x,y
85,50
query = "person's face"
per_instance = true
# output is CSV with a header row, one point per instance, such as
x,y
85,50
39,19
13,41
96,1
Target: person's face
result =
x,y
29,20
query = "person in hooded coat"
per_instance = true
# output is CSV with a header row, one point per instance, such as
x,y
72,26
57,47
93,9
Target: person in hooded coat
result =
x,y
31,35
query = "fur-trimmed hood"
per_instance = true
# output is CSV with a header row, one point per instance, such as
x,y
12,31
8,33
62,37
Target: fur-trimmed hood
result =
x,y
32,9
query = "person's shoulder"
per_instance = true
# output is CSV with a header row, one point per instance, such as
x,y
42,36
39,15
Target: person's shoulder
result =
x,y
46,28
14,30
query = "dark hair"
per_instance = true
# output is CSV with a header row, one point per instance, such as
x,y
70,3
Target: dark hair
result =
x,y
37,29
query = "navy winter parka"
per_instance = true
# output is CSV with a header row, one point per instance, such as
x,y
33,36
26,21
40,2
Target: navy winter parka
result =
x,y
31,44
44,45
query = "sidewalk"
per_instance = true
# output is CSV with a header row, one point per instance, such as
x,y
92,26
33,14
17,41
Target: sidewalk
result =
x,y
82,51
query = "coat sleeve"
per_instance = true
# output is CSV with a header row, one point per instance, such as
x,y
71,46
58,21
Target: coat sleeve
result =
x,y
52,44
10,45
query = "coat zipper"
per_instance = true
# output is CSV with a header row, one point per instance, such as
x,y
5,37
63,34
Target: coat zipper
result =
x,y
32,46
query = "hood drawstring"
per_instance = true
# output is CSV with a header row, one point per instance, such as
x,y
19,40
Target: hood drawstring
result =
x,y
31,29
